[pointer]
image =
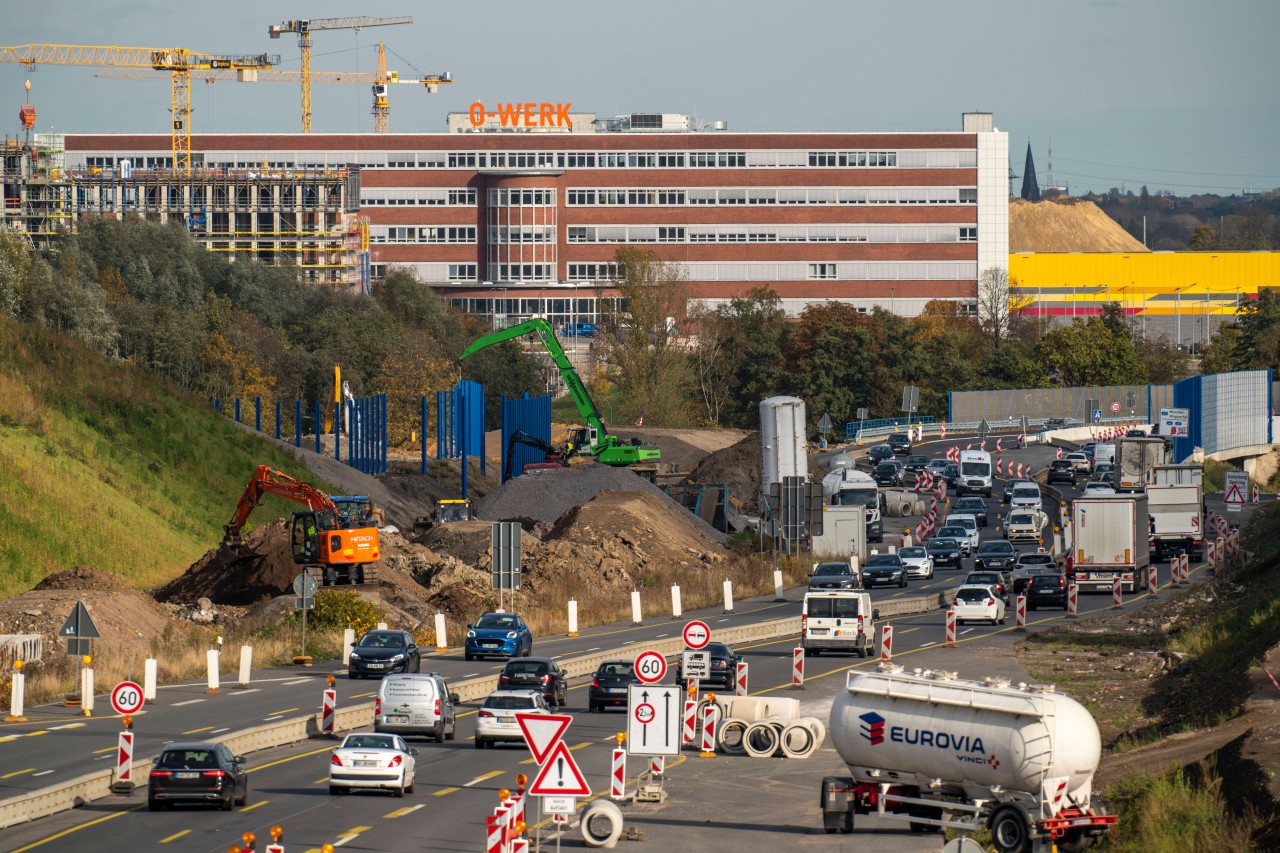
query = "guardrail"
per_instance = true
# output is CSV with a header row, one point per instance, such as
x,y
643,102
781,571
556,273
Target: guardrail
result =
x,y
92,786
1036,427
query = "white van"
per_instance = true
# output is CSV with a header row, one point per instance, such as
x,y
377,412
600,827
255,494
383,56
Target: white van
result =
x,y
837,621
1104,453
975,473
416,704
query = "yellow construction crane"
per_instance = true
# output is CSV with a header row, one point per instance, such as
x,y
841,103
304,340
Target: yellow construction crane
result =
x,y
177,61
304,28
380,79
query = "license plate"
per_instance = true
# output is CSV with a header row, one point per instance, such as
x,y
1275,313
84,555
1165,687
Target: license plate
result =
x,y
491,645
359,763
617,690
819,632
186,775
507,720
400,720
374,666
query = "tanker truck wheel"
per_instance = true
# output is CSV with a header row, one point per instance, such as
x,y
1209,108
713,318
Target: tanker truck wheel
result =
x,y
1074,841
1010,832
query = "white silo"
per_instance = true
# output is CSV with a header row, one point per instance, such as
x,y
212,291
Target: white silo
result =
x,y
782,440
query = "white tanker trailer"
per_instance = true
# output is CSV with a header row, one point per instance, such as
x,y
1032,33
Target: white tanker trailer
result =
x,y
937,751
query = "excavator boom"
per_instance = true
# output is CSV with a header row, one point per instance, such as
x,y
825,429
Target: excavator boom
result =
x,y
266,481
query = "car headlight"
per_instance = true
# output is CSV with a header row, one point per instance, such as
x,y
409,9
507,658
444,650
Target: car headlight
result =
x,y
355,656
396,658
511,635
471,635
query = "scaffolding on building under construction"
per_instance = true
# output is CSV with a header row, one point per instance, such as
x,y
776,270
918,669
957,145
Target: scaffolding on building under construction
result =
x,y
35,196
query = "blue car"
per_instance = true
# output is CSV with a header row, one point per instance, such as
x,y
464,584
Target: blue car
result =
x,y
498,634
579,330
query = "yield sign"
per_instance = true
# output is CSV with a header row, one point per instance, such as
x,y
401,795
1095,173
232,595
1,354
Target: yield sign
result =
x,y
1234,495
542,731
560,776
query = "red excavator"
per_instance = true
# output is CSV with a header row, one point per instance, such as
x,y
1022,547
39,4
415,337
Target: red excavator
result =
x,y
332,544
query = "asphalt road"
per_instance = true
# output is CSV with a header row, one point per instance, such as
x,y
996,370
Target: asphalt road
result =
x,y
457,785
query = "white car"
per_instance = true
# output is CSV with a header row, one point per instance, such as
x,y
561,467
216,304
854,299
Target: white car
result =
x,y
373,760
1024,524
1024,495
1083,464
978,603
917,560
496,719
970,525
958,533
1097,487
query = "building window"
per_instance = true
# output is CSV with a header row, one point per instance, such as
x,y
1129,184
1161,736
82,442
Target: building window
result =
x,y
822,271
968,195
462,272
593,272
968,235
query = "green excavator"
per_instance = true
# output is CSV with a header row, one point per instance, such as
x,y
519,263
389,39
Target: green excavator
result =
x,y
593,440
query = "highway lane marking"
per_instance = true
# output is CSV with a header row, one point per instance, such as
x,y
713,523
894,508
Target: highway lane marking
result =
x,y
8,738
41,773
67,726
472,675
220,731
255,805
197,731
722,620
374,692
404,811
660,636
595,649
290,758
966,631
33,845
41,732
444,791
321,781
269,719
354,831
17,773
188,702
285,711
243,692
297,681
175,836
474,781
584,743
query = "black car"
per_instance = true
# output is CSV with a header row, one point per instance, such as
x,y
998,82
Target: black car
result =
x,y
197,772
833,575
993,578
724,668
1047,591
951,473
1061,470
997,554
878,453
916,463
609,685
884,569
1023,575
888,473
900,442
945,551
972,505
383,651
1056,423
536,674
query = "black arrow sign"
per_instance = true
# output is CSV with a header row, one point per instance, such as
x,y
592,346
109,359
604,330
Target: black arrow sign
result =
x,y
666,709
644,730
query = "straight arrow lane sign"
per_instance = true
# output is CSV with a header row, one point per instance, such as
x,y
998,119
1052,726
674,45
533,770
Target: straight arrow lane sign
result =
x,y
560,776
653,719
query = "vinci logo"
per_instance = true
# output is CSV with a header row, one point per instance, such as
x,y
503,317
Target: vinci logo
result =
x,y
873,727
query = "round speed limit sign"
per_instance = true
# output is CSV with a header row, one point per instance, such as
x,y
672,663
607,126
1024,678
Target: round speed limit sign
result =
x,y
126,698
650,667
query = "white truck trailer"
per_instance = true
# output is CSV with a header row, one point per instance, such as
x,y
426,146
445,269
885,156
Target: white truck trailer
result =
x,y
1109,539
1177,520
851,487
938,751
844,533
1136,461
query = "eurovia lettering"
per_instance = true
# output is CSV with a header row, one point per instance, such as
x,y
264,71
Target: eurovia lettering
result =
x,y
528,114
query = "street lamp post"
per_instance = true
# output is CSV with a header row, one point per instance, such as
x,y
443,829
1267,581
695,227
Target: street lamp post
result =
x,y
1177,313
1206,317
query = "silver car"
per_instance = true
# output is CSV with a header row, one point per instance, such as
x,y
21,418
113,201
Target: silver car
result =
x,y
496,719
917,560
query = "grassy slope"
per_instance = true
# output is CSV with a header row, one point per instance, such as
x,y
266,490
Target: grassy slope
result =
x,y
104,465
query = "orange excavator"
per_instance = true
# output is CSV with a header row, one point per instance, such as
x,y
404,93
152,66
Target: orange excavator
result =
x,y
333,542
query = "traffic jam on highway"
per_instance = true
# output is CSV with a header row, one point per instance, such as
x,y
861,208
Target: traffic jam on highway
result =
x,y
512,736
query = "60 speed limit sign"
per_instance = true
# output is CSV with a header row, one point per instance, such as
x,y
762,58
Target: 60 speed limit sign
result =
x,y
126,698
650,667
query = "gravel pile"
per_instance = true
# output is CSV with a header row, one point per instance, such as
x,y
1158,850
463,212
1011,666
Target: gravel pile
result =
x,y
543,498
738,467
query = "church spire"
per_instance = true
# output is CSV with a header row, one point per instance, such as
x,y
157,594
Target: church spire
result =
x,y
1030,189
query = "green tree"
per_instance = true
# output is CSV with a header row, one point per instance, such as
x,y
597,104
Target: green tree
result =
x,y
1088,352
1219,354
1164,362
1203,239
742,361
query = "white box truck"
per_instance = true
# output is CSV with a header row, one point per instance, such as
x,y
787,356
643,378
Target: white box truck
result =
x,y
851,487
933,750
844,533
1136,461
975,473
1177,521
1179,475
1109,539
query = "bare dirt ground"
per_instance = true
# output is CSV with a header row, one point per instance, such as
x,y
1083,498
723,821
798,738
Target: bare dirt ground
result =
x,y
1066,225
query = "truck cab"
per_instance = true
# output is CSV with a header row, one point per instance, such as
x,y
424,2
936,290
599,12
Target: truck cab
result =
x,y
837,621
975,475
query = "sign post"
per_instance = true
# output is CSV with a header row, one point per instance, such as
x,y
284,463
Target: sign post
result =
x,y
1236,488
304,587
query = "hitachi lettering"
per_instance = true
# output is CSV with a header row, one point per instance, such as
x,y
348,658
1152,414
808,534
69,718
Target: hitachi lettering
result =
x,y
938,740
531,114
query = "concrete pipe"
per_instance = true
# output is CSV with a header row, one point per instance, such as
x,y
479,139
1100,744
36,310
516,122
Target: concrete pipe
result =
x,y
904,509
760,740
601,824
747,708
818,728
731,735
702,709
797,741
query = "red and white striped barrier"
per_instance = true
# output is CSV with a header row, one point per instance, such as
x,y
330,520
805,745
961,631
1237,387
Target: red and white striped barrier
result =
x,y
657,765
797,668
1257,496
690,721
1234,541
740,682
886,642
969,446
710,717
951,629
1117,592
1222,549
942,430
997,444
1020,612
124,758
1073,599
518,803
618,775
1153,579
1211,554
493,835
519,844
327,711
1059,453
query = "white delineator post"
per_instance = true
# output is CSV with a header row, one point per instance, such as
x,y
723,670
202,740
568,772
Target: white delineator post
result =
x,y
710,716
1153,580
886,642
1020,619
1117,592
328,711
150,673
17,696
677,610
86,691
573,617
348,637
382,626
1073,592
211,664
690,720
246,665
740,681
442,640
124,758
635,607
797,668
728,596
951,629
777,586
618,776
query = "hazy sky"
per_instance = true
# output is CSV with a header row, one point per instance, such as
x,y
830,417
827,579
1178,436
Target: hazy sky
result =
x,y
1176,94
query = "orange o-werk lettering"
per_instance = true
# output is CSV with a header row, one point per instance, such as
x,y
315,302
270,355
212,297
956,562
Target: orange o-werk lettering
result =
x,y
528,114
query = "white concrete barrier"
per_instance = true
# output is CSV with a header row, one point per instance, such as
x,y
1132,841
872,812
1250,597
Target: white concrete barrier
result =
x,y
573,617
728,596
86,690
348,637
246,665
635,607
211,663
676,609
149,672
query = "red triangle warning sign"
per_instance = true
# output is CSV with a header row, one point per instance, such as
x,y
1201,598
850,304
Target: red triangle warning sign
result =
x,y
542,731
560,776
1234,496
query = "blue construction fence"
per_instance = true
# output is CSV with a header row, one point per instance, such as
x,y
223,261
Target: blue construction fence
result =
x,y
531,415
851,429
360,423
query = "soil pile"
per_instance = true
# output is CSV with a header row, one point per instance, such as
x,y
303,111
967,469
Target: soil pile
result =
x,y
225,579
85,578
1066,225
682,449
737,466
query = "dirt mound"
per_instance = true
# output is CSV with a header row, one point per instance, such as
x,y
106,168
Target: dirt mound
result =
x,y
545,497
85,578
682,449
737,466
238,582
1066,225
